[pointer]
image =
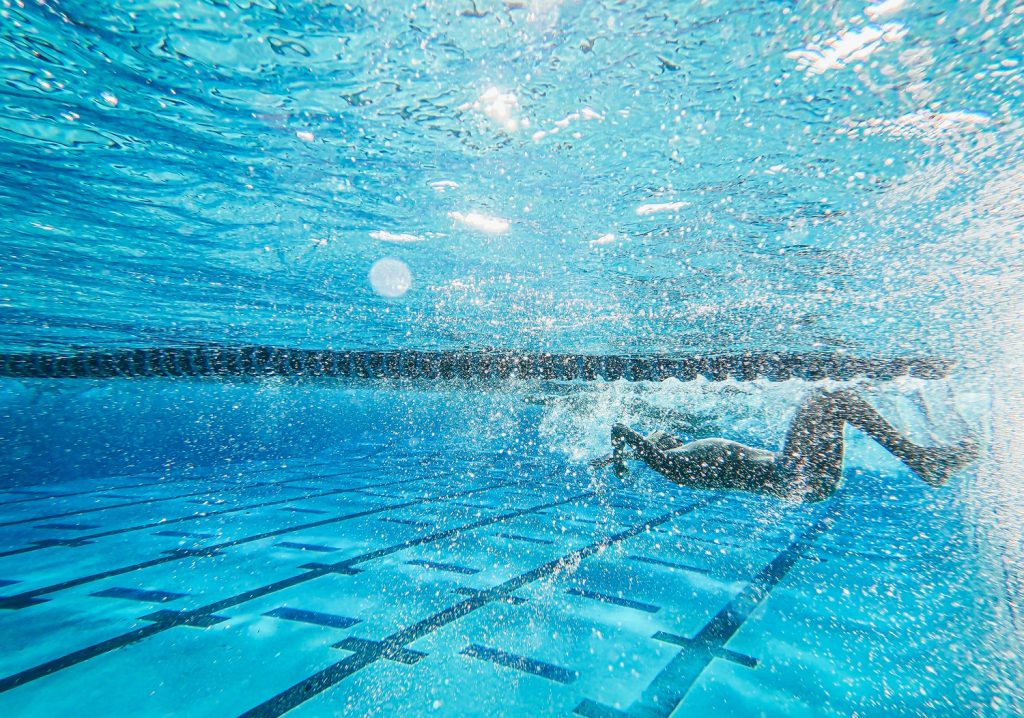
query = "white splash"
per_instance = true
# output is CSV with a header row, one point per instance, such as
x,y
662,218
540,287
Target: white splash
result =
x,y
846,47
481,222
584,114
923,125
884,9
384,236
603,240
443,185
390,278
305,135
656,207
110,98
501,108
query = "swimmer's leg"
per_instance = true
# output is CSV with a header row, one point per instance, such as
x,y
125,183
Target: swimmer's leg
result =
x,y
814,445
812,455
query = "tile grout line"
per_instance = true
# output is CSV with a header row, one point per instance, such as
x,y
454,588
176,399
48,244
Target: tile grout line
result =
x,y
208,514
167,621
369,652
670,686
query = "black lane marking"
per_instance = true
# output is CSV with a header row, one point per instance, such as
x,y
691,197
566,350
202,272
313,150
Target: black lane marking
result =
x,y
204,515
673,682
139,594
164,620
614,600
330,620
307,546
157,481
94,509
183,534
8,582
466,591
67,527
521,663
31,598
374,651
392,653
528,539
725,653
447,567
295,509
668,564
409,522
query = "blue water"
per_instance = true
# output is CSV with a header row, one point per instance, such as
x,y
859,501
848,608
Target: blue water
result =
x,y
607,178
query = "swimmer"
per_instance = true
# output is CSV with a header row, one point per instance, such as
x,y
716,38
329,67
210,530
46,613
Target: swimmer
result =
x,y
810,465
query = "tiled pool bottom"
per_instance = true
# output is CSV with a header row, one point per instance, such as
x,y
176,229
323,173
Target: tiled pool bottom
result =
x,y
483,586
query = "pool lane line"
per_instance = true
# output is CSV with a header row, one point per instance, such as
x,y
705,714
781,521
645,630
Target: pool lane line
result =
x,y
211,361
209,490
671,685
25,599
206,615
394,646
156,482
139,502
86,538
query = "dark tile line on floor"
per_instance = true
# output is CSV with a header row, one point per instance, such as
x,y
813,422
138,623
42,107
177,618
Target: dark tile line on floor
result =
x,y
366,652
670,686
207,615
47,495
197,516
29,598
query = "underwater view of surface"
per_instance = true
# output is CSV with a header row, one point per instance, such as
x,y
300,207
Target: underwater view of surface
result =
x,y
334,337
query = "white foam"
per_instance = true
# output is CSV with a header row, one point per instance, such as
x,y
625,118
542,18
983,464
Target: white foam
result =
x,y
884,9
443,185
501,108
846,47
384,236
603,239
656,207
922,125
584,114
481,222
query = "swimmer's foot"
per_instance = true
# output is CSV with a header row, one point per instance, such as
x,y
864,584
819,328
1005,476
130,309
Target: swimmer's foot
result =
x,y
936,464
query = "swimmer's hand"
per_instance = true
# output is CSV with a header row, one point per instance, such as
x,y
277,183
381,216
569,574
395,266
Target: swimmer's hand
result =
x,y
602,462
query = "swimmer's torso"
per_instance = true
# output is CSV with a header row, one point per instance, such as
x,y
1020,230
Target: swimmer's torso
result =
x,y
726,464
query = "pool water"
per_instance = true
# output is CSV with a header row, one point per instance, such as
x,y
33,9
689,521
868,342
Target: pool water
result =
x,y
420,572
313,316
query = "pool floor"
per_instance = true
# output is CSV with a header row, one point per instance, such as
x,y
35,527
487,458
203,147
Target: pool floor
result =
x,y
481,585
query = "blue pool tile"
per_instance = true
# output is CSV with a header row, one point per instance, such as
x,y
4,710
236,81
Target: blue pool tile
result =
x,y
521,663
315,617
615,600
139,594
